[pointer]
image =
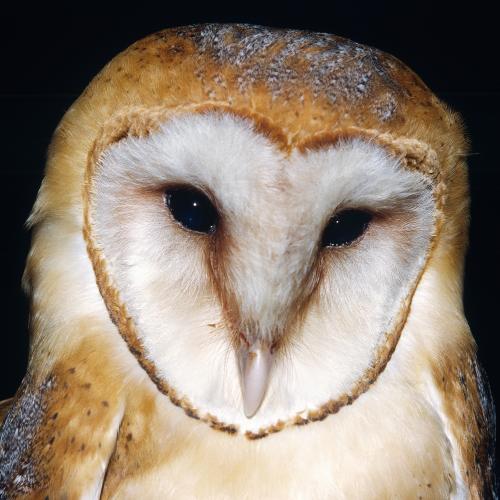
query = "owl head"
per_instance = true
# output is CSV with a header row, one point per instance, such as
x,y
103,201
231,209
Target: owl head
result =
x,y
268,217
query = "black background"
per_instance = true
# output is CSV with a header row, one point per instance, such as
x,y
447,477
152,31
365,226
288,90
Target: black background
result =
x,y
48,56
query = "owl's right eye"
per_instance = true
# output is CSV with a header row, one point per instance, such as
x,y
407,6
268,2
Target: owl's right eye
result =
x,y
192,209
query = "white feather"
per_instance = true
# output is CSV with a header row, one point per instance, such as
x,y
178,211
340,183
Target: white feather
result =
x,y
160,269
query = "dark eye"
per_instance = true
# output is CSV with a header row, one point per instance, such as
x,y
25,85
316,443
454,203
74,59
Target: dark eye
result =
x,y
191,208
345,227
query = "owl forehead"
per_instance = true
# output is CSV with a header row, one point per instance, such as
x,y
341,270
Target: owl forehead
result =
x,y
305,81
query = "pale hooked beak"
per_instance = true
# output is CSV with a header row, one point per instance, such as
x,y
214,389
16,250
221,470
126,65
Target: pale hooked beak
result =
x,y
255,365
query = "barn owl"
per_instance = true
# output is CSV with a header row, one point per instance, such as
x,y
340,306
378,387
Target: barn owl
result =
x,y
246,282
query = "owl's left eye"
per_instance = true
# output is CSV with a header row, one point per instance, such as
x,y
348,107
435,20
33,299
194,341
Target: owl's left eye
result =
x,y
345,228
192,209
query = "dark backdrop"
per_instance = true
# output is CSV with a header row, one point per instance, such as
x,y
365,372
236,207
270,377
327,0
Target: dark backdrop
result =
x,y
48,56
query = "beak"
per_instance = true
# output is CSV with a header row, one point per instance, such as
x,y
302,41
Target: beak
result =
x,y
255,364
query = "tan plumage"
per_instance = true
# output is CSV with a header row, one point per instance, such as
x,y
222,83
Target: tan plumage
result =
x,y
374,392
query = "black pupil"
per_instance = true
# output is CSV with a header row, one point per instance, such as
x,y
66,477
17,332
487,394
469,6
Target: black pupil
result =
x,y
191,208
345,227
